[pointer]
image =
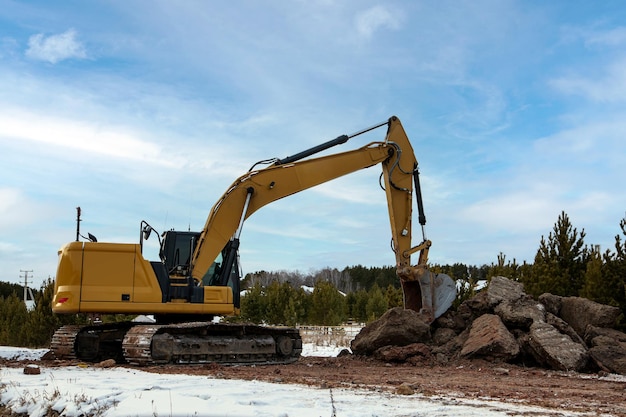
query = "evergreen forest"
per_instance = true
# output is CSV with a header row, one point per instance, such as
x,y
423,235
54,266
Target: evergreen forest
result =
x,y
563,265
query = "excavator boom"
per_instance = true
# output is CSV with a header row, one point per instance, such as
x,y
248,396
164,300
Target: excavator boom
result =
x,y
423,291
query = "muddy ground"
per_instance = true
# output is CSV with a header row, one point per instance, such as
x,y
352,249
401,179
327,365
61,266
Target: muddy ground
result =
x,y
566,392
557,390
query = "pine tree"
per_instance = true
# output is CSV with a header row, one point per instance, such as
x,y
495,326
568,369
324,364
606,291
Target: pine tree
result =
x,y
13,316
504,268
359,310
393,296
327,305
560,261
253,304
614,272
376,304
594,287
42,323
297,308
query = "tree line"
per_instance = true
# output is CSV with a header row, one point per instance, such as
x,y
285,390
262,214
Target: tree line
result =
x,y
563,265
324,305
34,328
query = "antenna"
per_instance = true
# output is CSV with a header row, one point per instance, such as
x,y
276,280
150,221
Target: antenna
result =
x,y
77,223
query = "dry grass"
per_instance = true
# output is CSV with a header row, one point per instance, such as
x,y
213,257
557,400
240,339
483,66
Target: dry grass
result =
x,y
329,335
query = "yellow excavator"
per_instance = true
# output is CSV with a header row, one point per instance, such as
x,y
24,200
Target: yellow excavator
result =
x,y
198,275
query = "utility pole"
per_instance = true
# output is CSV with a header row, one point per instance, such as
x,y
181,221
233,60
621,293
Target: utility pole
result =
x,y
29,303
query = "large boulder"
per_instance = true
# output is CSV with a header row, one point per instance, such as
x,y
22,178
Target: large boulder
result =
x,y
581,312
520,313
556,350
503,289
397,327
551,302
500,289
489,338
564,328
608,349
443,335
451,348
408,353
474,307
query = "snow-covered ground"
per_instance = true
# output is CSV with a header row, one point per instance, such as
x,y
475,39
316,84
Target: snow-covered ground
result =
x,y
87,391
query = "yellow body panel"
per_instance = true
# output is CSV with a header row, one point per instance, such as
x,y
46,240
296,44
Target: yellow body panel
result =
x,y
115,278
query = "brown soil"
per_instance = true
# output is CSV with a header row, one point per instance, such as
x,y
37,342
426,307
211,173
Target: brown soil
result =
x,y
530,386
592,394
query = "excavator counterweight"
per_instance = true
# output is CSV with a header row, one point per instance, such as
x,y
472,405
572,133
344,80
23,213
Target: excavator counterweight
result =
x,y
197,276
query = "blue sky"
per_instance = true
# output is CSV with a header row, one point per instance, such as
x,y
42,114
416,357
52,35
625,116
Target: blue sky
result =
x,y
149,110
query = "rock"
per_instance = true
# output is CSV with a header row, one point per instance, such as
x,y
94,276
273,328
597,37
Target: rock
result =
x,y
501,289
501,371
556,350
592,332
610,358
32,370
551,302
443,335
397,327
474,307
581,312
344,352
452,347
520,313
608,349
405,389
451,319
564,328
108,363
489,338
48,356
402,353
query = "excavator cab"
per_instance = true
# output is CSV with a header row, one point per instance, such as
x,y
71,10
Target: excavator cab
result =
x,y
176,250
176,253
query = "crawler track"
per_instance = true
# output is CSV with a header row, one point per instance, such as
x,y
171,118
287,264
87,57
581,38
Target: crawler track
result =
x,y
184,343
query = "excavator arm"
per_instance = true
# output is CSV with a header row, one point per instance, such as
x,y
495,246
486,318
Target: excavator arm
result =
x,y
431,294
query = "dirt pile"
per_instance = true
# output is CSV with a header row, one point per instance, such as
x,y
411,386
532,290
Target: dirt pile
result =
x,y
503,324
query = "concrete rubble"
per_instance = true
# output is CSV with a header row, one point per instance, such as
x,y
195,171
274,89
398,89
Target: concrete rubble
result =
x,y
503,324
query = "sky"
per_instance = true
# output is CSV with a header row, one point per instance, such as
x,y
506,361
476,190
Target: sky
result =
x,y
149,111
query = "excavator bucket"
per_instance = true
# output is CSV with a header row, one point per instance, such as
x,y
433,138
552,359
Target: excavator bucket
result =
x,y
428,293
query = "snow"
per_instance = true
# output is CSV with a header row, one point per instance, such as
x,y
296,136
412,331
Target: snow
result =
x,y
84,390
21,354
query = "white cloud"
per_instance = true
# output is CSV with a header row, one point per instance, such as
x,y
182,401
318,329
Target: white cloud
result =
x,y
16,210
83,136
375,18
612,37
55,48
600,141
609,87
515,212
362,187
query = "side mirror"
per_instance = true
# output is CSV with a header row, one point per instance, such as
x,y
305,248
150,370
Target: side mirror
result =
x,y
147,230
91,237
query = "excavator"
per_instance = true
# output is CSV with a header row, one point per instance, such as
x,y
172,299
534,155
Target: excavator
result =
x,y
197,277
